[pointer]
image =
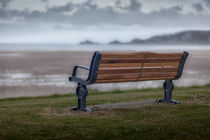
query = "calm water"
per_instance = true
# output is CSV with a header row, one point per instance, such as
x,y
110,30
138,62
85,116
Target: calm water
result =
x,y
99,47
15,82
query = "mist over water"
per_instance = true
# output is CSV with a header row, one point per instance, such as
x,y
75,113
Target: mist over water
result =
x,y
99,34
98,47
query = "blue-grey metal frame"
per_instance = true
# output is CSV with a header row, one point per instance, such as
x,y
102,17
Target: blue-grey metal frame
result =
x,y
82,91
181,65
168,85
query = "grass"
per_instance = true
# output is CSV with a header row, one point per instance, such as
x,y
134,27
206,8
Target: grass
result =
x,y
48,117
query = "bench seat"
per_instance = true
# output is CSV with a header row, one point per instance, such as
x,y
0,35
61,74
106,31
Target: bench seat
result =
x,y
109,67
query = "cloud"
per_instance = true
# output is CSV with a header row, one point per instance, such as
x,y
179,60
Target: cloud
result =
x,y
90,4
198,7
3,14
134,5
4,3
177,8
6,14
93,15
68,7
90,13
168,14
207,3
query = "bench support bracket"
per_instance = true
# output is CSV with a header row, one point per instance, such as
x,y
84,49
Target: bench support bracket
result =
x,y
168,87
82,93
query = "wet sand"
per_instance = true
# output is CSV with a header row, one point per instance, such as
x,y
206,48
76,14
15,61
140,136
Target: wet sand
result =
x,y
37,73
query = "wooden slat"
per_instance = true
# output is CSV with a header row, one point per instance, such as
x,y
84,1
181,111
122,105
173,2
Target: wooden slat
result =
x,y
116,80
161,64
164,55
137,70
118,76
140,55
163,60
134,80
121,65
117,71
172,69
158,74
157,78
136,75
139,60
122,55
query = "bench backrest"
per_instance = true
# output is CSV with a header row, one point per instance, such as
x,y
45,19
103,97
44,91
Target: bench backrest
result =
x,y
130,67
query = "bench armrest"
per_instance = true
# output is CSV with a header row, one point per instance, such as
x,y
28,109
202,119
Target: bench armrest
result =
x,y
79,66
92,71
74,73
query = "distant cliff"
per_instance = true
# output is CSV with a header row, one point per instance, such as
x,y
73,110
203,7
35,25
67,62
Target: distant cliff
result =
x,y
87,42
186,37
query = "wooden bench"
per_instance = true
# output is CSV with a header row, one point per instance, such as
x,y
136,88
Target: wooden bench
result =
x,y
130,67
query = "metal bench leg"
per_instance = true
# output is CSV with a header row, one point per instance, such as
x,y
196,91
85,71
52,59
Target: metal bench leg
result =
x,y
82,93
168,87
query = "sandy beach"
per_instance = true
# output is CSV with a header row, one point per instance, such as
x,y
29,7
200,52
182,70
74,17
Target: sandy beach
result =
x,y
40,73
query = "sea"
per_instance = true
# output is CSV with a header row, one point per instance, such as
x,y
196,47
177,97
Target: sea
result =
x,y
18,79
97,47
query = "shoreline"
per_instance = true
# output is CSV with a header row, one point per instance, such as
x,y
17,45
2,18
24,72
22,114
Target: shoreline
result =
x,y
35,73
72,94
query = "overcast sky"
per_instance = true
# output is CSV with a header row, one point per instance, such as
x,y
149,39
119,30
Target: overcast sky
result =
x,y
72,21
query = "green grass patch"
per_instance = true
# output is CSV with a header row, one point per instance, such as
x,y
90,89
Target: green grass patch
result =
x,y
48,117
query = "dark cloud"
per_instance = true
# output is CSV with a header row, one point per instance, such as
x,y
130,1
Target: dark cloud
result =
x,y
84,14
168,13
177,8
78,16
68,7
90,4
134,5
3,14
9,14
118,3
198,7
4,3
207,3
93,15
89,13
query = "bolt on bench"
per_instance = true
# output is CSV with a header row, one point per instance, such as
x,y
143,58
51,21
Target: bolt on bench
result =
x,y
130,67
